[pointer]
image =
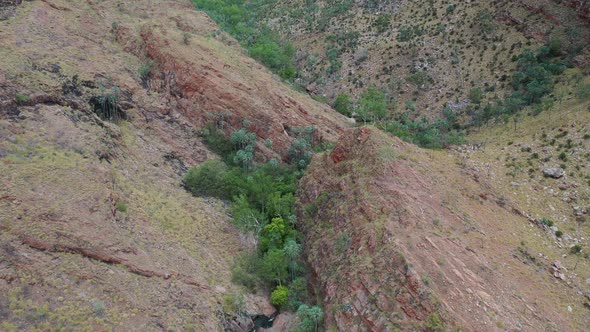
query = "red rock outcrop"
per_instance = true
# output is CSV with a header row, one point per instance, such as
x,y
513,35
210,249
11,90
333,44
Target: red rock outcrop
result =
x,y
214,82
390,238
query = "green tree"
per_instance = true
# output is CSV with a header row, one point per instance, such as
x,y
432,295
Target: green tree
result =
x,y
279,296
343,105
292,250
273,267
274,234
207,179
300,151
245,158
373,105
310,317
246,217
279,204
242,138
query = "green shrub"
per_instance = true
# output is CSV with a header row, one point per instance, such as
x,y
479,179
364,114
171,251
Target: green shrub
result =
x,y
217,142
343,105
274,56
209,179
485,19
99,308
411,105
382,22
186,38
145,70
408,33
279,296
475,95
21,99
545,221
121,206
559,233
373,105
419,78
435,135
576,249
434,322
583,91
106,104
244,271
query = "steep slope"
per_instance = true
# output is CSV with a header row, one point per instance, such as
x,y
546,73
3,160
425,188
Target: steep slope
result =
x,y
96,232
422,54
164,58
403,239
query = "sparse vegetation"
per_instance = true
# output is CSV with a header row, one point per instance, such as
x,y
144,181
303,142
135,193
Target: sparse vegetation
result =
x,y
186,38
434,322
121,206
145,71
98,307
21,99
233,303
532,80
546,222
576,249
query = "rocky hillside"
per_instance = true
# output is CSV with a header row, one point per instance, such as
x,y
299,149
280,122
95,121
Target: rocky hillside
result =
x,y
101,108
422,54
105,105
405,239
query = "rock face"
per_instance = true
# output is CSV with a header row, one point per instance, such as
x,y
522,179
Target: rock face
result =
x,y
554,172
395,242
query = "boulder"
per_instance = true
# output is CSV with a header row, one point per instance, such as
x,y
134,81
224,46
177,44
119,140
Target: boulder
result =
x,y
554,172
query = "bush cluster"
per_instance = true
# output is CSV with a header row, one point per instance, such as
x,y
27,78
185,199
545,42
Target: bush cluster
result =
x,y
262,203
532,80
376,107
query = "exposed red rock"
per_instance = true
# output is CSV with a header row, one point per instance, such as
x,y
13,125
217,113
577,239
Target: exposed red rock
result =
x,y
391,251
